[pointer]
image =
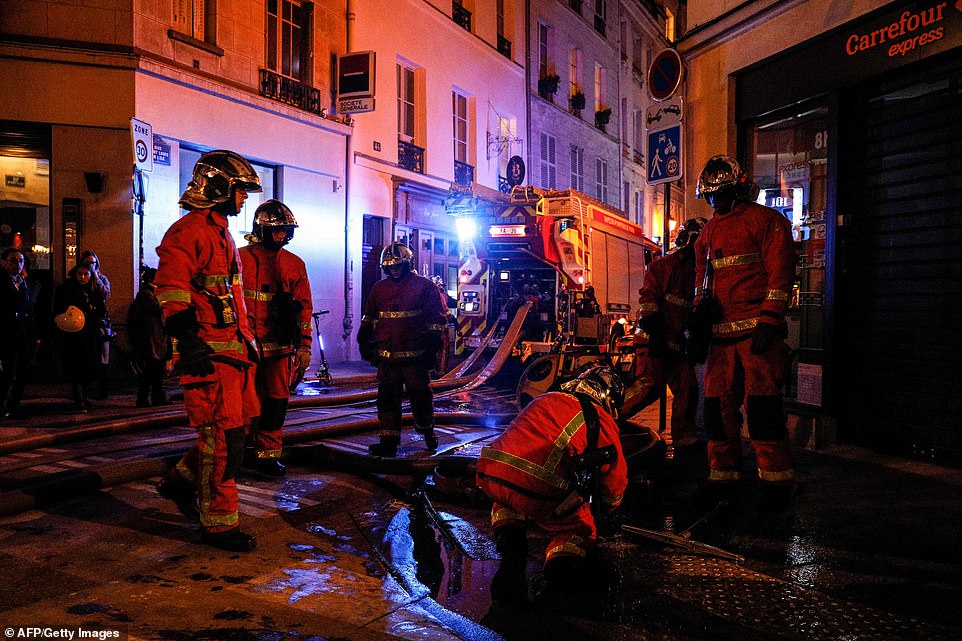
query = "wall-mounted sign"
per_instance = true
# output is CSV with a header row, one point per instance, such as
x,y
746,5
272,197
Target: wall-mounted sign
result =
x,y
355,82
515,170
161,151
143,139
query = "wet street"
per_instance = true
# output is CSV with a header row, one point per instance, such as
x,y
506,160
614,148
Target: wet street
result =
x,y
869,549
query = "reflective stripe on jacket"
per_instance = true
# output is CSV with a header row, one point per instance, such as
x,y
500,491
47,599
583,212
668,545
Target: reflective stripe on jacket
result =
x,y
753,263
534,454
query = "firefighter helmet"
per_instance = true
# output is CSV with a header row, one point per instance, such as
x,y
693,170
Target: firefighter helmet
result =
x,y
272,215
70,320
721,173
397,254
689,232
601,383
216,175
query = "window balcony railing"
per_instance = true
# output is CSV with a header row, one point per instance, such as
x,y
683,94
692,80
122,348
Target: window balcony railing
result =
x,y
289,91
503,186
463,173
461,15
504,46
410,156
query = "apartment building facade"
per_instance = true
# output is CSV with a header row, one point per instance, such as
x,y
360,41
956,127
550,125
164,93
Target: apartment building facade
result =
x,y
253,77
448,115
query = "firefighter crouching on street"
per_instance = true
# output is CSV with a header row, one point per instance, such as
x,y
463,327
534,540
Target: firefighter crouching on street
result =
x,y
199,288
664,306
278,299
532,472
401,333
744,271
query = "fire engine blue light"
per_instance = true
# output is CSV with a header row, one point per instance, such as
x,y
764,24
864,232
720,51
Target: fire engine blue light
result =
x,y
466,228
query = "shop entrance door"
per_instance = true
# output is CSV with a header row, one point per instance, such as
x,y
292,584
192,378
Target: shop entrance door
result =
x,y
899,268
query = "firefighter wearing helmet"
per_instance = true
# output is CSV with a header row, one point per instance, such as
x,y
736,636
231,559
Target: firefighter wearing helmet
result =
x,y
401,333
278,299
199,288
744,271
532,471
664,308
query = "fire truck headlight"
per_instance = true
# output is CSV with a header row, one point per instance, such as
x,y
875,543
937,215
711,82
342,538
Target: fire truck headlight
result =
x,y
466,228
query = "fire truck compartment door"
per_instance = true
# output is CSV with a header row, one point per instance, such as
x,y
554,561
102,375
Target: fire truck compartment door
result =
x,y
567,239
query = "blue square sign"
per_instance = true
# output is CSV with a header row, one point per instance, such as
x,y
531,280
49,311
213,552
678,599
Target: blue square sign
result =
x,y
664,154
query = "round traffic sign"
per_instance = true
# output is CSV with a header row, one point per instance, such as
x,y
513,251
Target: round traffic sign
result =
x,y
664,74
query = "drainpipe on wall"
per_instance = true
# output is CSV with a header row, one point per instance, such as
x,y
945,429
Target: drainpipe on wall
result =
x,y
348,263
527,89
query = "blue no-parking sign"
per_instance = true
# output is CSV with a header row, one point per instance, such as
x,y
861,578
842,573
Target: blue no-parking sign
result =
x,y
664,154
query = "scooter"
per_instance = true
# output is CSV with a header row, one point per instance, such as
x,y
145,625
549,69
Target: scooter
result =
x,y
323,371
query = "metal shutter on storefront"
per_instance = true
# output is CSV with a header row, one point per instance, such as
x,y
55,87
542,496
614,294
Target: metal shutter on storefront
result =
x,y
899,320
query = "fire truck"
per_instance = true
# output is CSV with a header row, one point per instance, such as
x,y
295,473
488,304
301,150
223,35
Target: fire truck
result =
x,y
579,261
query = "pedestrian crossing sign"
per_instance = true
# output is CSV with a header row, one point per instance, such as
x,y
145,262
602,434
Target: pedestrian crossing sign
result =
x,y
664,154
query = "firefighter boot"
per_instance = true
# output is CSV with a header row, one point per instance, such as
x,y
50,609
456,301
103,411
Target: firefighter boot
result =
x,y
430,440
182,492
270,467
509,586
564,589
231,541
387,446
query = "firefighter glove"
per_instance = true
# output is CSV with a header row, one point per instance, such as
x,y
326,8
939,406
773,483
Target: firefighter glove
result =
x,y
194,355
654,326
763,338
302,358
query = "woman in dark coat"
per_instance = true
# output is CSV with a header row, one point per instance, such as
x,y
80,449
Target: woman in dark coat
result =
x,y
80,350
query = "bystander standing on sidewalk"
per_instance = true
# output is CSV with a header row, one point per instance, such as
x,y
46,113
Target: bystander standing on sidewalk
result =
x,y
101,286
18,335
79,310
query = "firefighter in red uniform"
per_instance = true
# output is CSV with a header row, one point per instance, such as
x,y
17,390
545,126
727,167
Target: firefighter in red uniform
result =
x,y
665,303
199,288
531,472
278,298
747,253
401,333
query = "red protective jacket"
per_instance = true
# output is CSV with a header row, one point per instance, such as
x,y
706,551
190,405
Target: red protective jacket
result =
x,y
267,272
669,289
198,254
405,318
753,263
535,454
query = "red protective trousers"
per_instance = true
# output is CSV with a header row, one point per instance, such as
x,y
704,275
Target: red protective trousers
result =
x,y
653,374
218,408
735,376
272,382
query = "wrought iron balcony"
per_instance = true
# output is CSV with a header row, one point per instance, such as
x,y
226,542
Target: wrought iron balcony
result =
x,y
504,46
289,91
503,186
461,15
463,173
410,156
